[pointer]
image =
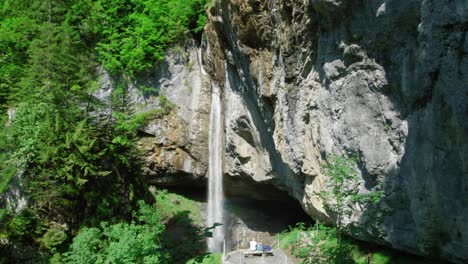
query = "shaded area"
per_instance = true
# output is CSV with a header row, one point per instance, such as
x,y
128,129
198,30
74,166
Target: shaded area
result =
x,y
246,218
376,252
242,187
184,239
259,219
272,216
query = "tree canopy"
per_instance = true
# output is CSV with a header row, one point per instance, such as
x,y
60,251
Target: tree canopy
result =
x,y
75,168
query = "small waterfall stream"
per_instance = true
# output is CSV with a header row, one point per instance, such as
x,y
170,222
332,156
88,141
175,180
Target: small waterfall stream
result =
x,y
215,173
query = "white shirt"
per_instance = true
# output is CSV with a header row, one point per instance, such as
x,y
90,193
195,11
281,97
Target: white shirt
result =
x,y
253,245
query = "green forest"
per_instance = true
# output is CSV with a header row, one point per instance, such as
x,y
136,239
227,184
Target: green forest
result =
x,y
80,172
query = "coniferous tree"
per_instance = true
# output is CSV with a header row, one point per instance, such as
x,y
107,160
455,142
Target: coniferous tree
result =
x,y
74,169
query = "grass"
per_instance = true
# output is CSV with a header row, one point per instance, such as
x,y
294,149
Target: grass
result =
x,y
289,238
184,235
170,204
206,259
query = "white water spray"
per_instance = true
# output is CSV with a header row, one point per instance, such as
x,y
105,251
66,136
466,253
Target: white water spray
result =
x,y
215,173
200,61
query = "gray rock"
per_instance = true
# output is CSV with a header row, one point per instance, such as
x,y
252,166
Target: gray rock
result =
x,y
395,95
174,147
381,11
15,197
183,135
334,69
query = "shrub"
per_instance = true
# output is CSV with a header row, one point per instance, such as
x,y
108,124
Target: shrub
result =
x,y
206,259
134,242
381,258
134,34
291,237
53,238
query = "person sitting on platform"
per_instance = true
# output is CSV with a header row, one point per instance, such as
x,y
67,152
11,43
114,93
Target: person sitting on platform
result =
x,y
253,244
260,245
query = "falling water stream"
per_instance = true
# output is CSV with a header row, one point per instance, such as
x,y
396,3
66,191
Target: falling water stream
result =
x,y
215,175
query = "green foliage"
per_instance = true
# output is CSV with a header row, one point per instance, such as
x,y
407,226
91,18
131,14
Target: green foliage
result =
x,y
318,244
342,190
330,247
321,244
5,216
47,137
183,218
206,259
292,236
134,242
85,247
75,168
56,259
7,171
184,239
125,125
25,225
171,204
342,186
134,33
53,238
381,258
15,29
31,130
369,198
7,168
343,183
153,236
56,150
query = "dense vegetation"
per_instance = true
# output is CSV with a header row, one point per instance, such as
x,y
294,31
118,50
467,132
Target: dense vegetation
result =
x,y
153,236
321,244
324,244
72,154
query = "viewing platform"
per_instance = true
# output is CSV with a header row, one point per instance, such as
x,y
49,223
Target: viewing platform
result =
x,y
245,256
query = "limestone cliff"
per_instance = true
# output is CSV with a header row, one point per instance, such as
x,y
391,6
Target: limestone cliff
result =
x,y
386,80
174,147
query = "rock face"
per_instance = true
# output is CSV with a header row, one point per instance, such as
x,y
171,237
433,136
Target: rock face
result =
x,y
174,146
385,80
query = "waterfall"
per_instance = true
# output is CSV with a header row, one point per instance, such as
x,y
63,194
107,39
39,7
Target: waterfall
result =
x,y
200,60
215,173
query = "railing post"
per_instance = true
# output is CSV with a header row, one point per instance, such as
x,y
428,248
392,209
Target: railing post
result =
x,y
224,249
